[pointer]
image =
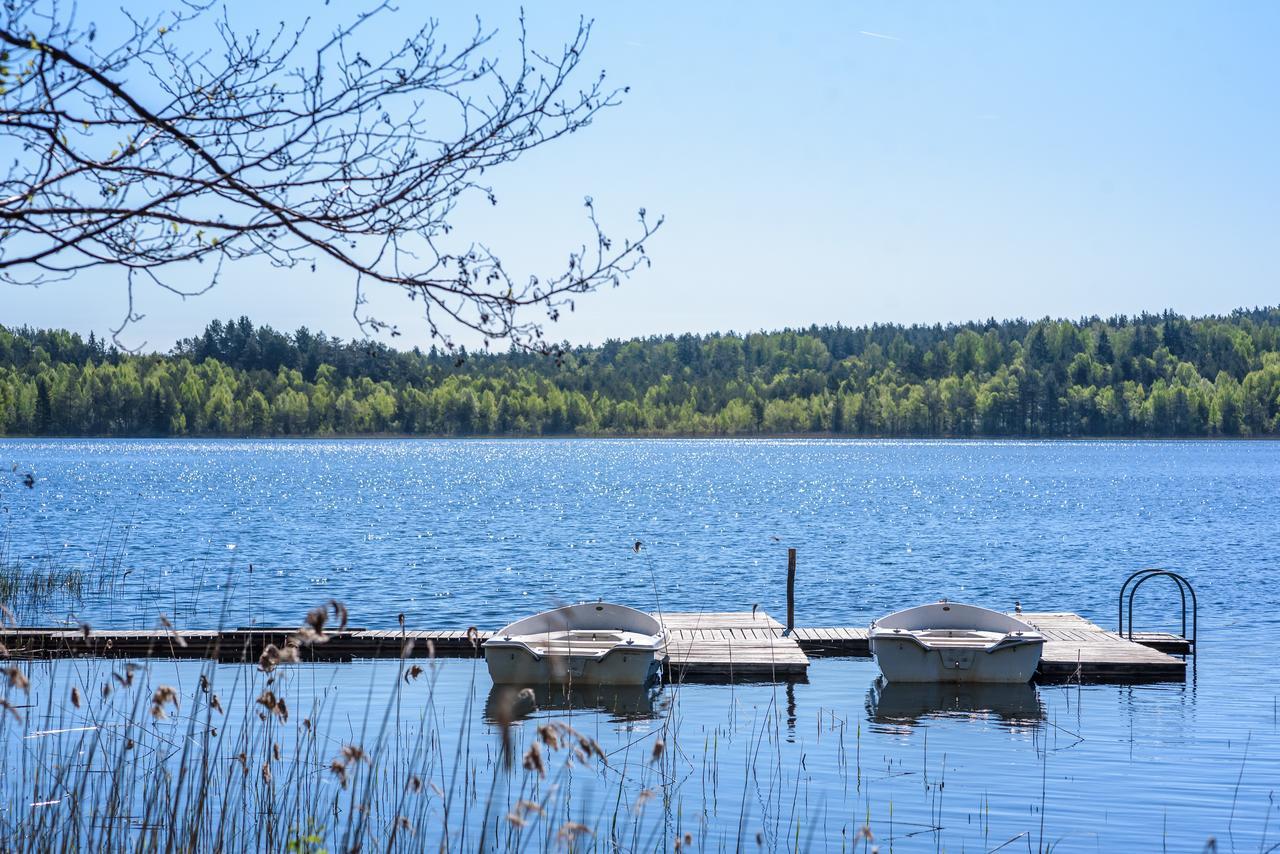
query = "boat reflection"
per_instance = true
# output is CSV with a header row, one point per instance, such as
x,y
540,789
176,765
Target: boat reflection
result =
x,y
508,703
902,705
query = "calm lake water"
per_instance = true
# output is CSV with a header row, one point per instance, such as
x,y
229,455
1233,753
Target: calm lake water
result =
x,y
458,533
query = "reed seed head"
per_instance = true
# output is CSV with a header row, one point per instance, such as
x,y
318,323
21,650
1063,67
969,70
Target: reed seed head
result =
x,y
550,736
272,656
164,695
643,798
18,679
274,705
533,760
571,830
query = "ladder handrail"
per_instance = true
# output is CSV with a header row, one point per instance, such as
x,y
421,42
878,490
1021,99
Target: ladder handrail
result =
x,y
1141,577
1182,594
1123,589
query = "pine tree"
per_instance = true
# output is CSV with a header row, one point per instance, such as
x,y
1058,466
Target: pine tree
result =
x,y
44,408
1104,353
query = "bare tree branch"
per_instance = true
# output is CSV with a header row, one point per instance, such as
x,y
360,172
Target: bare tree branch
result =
x,y
145,157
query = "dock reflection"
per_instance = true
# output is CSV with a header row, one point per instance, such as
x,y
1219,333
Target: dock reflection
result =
x,y
897,705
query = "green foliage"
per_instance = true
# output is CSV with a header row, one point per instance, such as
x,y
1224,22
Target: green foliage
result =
x,y
23,586
1153,375
309,842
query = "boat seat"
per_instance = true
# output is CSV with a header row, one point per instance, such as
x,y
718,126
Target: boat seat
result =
x,y
582,642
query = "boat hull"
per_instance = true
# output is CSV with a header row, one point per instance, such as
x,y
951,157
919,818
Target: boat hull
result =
x,y
591,643
903,660
512,665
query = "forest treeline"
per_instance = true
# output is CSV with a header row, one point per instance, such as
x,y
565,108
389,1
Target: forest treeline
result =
x,y
1149,375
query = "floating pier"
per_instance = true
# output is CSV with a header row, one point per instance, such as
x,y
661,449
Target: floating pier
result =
x,y
704,647
1074,649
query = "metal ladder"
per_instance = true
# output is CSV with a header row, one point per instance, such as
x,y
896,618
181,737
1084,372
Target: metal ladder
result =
x,y
1141,577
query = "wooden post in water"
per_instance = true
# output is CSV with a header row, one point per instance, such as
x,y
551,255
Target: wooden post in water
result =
x,y
791,590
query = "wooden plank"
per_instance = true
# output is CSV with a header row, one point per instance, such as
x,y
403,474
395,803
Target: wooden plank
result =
x,y
714,645
1164,642
1087,651
833,640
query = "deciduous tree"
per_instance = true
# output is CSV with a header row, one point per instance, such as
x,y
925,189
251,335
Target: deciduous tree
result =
x,y
186,140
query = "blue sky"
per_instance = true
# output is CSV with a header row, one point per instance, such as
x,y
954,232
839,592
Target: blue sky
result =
x,y
854,162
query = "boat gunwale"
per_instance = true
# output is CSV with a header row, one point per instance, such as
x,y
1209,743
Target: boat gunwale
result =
x,y
650,636
657,646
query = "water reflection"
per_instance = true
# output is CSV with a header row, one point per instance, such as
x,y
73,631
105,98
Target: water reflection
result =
x,y
620,702
905,705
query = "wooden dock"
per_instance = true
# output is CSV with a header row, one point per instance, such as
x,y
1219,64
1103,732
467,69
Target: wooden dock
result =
x,y
733,647
708,646
703,647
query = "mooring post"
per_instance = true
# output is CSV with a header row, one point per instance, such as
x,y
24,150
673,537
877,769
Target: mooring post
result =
x,y
791,590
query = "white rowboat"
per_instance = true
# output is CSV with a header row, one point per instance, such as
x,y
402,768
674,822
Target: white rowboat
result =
x,y
594,643
949,642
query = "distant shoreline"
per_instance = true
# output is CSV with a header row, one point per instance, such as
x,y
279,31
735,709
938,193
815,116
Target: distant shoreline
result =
x,y
1150,377
772,437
